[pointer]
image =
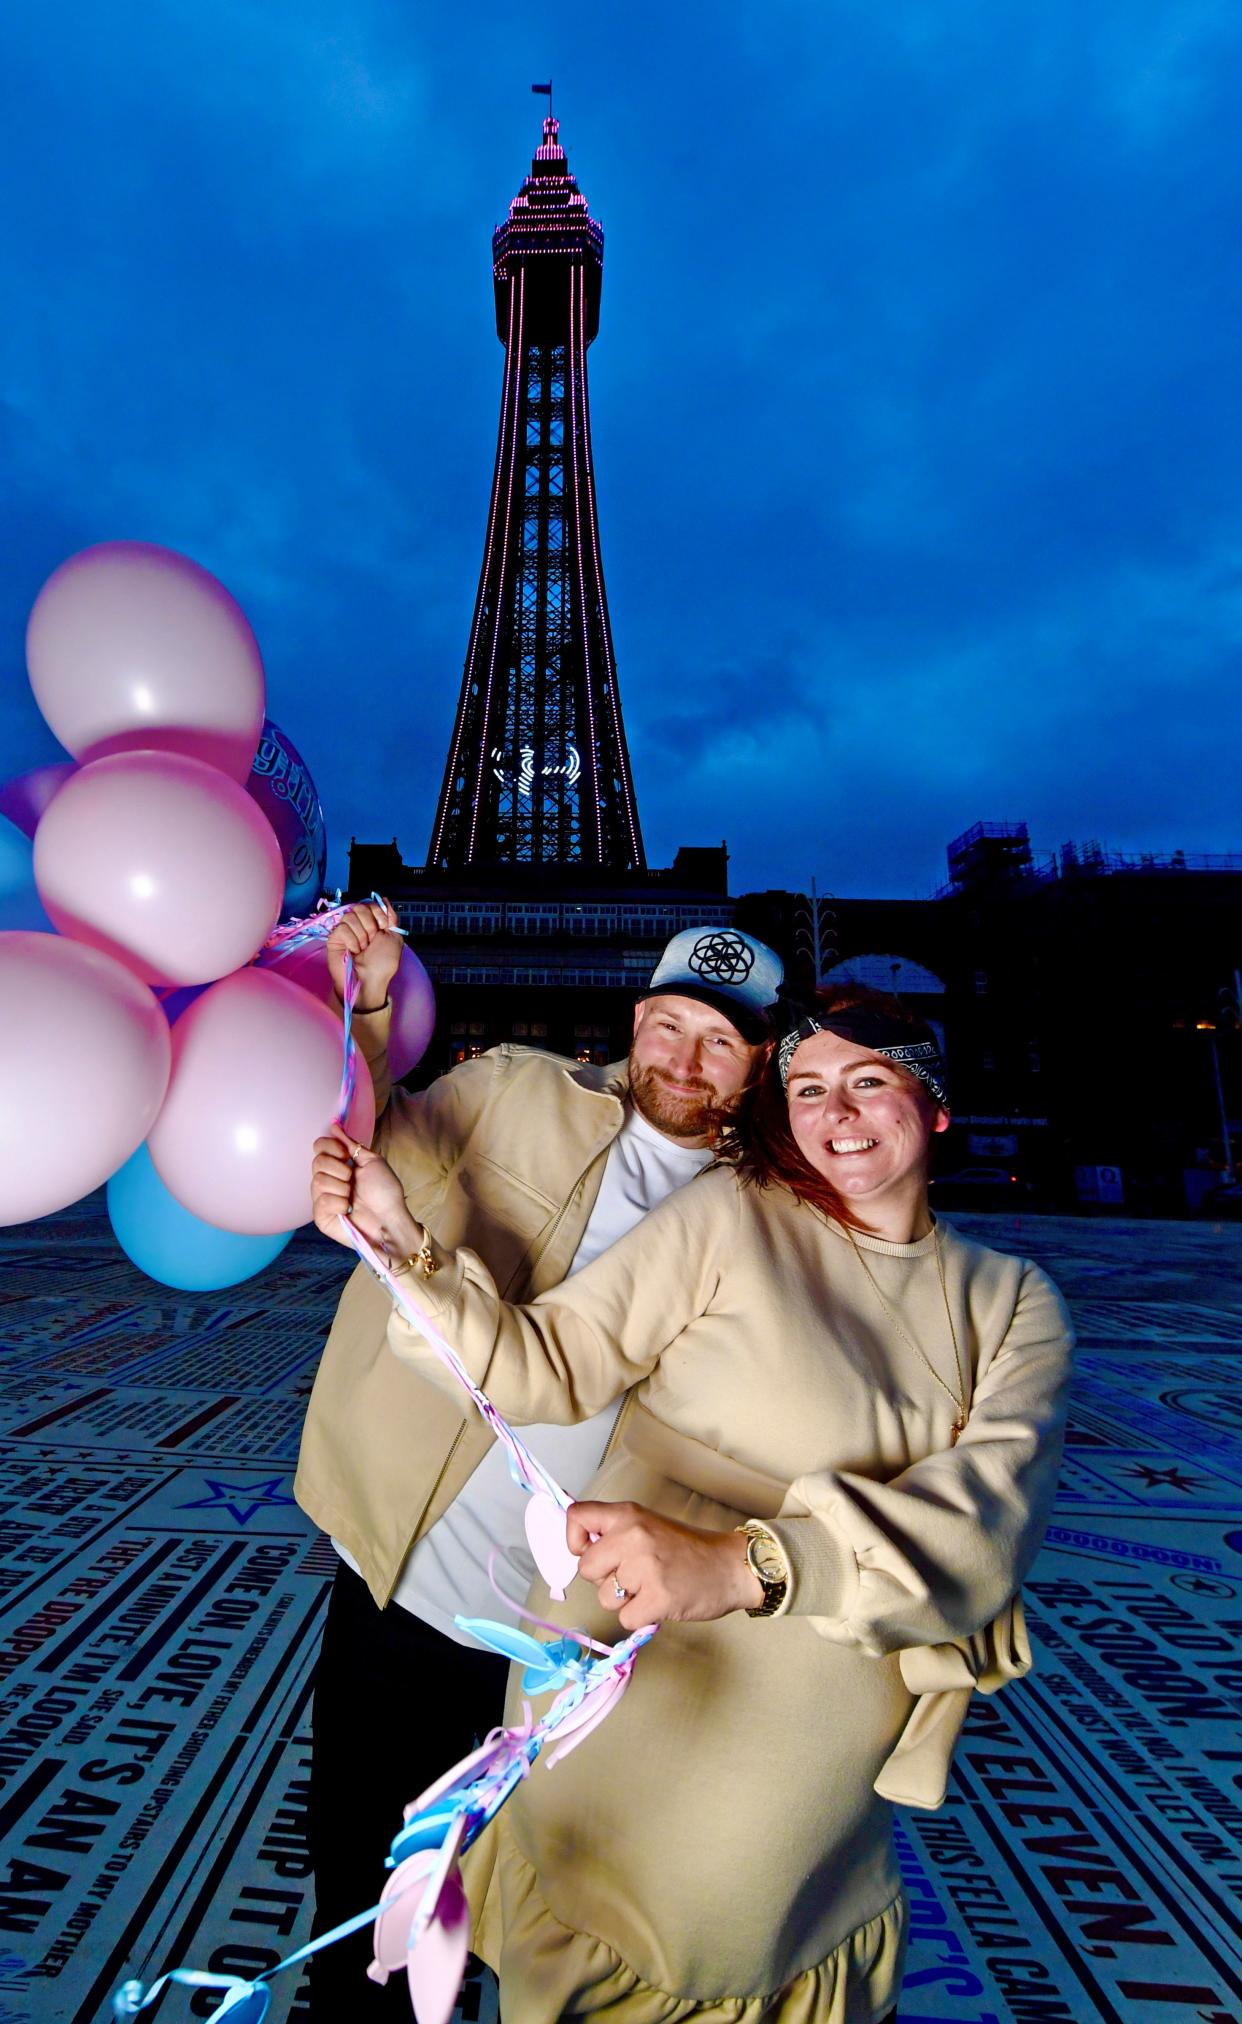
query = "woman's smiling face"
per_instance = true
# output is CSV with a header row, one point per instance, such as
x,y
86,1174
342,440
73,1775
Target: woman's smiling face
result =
x,y
862,1123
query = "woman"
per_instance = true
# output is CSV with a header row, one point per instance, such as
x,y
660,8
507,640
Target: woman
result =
x,y
879,1403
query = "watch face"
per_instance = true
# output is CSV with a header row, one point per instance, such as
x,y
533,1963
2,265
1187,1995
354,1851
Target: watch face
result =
x,y
765,1558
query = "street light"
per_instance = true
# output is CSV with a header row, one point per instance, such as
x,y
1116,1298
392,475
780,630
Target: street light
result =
x,y
821,925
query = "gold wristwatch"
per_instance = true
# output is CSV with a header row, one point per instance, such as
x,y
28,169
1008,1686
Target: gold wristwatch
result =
x,y
768,1565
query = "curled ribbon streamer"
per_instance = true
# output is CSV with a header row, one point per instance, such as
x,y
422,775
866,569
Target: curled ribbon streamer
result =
x,y
349,1065
528,1615
525,1467
463,1802
315,927
298,934
132,1997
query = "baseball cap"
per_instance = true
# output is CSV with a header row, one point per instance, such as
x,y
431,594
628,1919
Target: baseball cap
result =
x,y
725,968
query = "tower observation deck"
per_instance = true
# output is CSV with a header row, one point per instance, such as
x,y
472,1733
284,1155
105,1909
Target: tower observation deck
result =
x,y
538,771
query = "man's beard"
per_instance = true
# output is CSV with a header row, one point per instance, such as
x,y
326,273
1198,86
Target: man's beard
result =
x,y
694,1113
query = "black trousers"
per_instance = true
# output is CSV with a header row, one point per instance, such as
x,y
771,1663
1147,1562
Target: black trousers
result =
x,y
396,1704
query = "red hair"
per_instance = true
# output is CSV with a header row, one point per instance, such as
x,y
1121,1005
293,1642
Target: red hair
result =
x,y
761,1146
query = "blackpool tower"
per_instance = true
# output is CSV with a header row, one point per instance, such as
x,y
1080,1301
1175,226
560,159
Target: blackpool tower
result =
x,y
538,771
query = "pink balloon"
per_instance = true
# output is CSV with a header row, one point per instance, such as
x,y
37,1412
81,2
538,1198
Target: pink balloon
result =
x,y
413,1000
132,647
162,862
255,1078
25,797
84,1061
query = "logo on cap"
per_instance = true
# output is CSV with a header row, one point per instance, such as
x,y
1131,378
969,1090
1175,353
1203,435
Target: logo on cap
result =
x,y
722,959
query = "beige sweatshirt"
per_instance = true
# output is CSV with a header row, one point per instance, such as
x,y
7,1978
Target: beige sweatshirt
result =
x,y
758,1345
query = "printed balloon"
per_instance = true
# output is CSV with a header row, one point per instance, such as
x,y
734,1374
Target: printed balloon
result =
x,y
255,1081
162,862
284,790
132,647
84,1061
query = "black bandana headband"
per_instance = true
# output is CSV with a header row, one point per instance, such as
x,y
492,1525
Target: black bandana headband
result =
x,y
879,1033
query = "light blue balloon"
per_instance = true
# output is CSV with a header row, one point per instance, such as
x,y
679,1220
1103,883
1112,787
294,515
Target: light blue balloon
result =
x,y
20,905
169,1244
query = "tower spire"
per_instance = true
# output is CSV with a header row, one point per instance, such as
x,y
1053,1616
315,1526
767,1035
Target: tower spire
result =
x,y
538,769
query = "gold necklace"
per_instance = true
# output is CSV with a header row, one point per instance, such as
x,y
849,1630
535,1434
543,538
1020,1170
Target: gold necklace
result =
x,y
958,1401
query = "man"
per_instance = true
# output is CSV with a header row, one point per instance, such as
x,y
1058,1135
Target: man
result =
x,y
538,1165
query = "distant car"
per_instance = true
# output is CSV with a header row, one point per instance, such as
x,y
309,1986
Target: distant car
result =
x,y
978,1188
1223,1201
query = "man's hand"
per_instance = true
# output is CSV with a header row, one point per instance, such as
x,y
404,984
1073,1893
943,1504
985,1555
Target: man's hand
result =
x,y
347,1180
367,934
671,1573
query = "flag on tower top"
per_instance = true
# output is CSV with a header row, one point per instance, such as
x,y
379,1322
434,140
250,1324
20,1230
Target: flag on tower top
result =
x,y
546,89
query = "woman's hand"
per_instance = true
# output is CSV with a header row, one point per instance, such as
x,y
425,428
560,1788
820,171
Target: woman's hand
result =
x,y
367,934
347,1180
671,1573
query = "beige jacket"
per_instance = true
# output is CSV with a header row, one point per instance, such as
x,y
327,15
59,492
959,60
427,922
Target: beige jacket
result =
x,y
504,1154
760,1352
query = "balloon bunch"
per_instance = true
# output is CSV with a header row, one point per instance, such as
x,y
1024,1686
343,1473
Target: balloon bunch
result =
x,y
139,881
422,1920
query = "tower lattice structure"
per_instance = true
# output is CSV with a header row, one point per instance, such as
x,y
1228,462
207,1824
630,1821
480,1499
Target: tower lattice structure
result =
x,y
538,770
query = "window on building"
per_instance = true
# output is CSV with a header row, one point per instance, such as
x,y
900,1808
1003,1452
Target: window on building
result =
x,y
981,983
533,918
590,920
474,917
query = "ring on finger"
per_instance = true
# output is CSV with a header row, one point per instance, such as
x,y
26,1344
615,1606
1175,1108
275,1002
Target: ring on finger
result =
x,y
622,1594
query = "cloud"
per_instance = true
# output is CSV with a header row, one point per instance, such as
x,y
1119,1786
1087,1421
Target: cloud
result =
x,y
914,402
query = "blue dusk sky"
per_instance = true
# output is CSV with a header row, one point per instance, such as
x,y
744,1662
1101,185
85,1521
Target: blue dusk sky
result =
x,y
915,402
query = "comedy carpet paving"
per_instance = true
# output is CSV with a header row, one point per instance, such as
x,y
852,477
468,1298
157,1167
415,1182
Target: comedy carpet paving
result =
x,y
161,1597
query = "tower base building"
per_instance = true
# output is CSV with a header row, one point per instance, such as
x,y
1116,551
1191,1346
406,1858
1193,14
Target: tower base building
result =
x,y
540,955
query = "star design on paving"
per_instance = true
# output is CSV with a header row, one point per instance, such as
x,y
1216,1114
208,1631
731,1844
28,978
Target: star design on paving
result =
x,y
1171,1478
240,1500
1202,1584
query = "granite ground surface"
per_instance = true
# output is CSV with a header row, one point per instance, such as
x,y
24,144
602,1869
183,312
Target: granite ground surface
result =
x,y
161,1597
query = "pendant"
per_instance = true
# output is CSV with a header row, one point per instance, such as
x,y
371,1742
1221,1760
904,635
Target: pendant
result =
x,y
959,1426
